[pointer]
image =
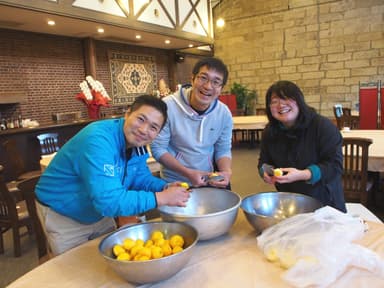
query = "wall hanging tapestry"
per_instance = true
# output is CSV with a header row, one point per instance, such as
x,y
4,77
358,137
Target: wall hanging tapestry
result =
x,y
132,75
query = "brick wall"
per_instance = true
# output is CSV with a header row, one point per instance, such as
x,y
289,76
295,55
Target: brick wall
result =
x,y
48,70
324,46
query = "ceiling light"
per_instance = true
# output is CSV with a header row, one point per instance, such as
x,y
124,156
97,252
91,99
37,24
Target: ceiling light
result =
x,y
167,41
138,36
190,45
100,30
51,23
220,22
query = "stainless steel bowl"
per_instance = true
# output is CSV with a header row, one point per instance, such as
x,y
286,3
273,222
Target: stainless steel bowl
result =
x,y
211,211
265,209
141,272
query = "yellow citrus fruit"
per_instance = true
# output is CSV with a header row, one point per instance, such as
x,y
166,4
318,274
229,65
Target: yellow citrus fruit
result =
x,y
128,243
143,258
145,251
177,249
157,235
176,240
118,249
135,250
157,252
139,242
184,185
159,242
277,172
148,243
167,250
124,256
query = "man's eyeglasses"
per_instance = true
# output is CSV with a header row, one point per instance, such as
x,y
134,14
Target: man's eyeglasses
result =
x,y
202,79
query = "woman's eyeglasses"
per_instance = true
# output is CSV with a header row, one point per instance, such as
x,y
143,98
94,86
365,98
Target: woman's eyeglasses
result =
x,y
276,102
202,79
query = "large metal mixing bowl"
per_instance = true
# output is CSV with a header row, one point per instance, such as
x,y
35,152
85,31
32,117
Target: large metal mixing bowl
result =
x,y
141,272
211,211
265,209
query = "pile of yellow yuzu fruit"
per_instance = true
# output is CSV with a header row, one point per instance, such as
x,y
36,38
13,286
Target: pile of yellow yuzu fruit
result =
x,y
153,248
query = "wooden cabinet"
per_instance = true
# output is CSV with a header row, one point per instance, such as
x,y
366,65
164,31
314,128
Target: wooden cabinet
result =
x,y
28,145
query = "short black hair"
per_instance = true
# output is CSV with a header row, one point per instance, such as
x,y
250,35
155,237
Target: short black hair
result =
x,y
288,90
212,63
150,100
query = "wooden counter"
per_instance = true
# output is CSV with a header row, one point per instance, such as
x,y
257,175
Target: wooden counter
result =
x,y
29,146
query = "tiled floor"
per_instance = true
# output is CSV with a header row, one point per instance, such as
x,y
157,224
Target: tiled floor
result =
x,y
245,181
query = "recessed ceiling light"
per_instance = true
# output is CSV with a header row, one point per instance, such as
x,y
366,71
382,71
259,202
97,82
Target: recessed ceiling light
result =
x,y
167,41
100,30
51,23
190,45
138,36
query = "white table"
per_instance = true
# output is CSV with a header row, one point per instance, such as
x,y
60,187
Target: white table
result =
x,y
232,260
250,122
250,126
376,149
45,160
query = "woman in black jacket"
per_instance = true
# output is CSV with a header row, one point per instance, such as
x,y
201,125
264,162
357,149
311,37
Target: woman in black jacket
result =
x,y
304,145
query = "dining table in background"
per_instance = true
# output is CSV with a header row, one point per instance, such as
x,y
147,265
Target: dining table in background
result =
x,y
254,122
250,126
231,260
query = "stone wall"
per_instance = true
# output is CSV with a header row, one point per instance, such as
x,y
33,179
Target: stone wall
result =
x,y
325,47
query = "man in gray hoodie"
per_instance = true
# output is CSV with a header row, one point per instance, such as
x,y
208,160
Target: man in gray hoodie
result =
x,y
196,139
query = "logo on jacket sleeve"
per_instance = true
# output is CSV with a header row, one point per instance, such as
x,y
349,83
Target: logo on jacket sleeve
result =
x,y
109,170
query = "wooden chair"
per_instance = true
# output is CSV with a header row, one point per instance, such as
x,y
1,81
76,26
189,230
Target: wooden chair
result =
x,y
351,121
357,186
261,111
27,188
344,118
16,170
49,143
13,215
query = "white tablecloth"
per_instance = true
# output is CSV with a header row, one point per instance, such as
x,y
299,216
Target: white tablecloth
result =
x,y
376,149
250,122
232,260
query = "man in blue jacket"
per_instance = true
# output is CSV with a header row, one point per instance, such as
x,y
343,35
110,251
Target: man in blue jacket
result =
x,y
101,173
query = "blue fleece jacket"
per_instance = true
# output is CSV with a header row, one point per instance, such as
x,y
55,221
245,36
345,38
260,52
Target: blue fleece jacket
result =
x,y
90,177
196,141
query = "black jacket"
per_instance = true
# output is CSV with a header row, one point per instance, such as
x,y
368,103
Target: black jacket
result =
x,y
316,142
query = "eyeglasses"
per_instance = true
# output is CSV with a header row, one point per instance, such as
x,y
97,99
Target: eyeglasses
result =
x,y
202,79
276,102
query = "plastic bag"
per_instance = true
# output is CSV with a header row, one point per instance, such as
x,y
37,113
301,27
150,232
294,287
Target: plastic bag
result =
x,y
316,248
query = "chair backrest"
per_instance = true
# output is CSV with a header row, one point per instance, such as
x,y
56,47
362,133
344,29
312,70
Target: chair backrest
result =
x,y
355,164
49,143
15,164
27,188
261,111
8,210
351,121
346,111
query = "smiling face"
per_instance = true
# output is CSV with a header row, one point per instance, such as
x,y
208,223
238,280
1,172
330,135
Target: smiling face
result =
x,y
206,87
284,110
142,126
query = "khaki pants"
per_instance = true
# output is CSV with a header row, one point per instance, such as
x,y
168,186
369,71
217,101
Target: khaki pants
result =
x,y
63,233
